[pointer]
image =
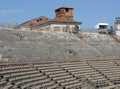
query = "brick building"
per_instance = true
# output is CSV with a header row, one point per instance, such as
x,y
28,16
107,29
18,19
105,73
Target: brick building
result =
x,y
63,22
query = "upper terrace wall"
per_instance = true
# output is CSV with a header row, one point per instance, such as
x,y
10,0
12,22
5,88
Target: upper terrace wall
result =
x,y
16,45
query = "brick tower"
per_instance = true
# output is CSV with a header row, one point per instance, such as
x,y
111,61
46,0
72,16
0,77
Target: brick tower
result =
x,y
65,12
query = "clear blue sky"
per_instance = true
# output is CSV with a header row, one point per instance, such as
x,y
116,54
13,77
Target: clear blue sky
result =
x,y
90,12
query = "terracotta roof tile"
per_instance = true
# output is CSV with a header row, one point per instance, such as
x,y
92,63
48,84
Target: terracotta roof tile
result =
x,y
58,19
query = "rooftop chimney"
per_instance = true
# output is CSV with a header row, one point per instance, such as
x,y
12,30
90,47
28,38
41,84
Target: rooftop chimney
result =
x,y
64,12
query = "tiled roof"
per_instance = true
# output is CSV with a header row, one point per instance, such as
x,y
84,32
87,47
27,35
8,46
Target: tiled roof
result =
x,y
43,20
57,20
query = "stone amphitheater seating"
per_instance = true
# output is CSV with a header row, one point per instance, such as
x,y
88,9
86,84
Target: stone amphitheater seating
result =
x,y
109,69
62,75
44,76
84,70
39,60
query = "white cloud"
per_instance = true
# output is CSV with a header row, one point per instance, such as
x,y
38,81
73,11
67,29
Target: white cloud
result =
x,y
6,12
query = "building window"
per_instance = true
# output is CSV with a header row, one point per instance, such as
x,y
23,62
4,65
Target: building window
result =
x,y
37,20
57,29
103,26
67,10
63,29
40,19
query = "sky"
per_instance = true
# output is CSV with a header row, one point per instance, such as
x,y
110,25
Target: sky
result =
x,y
89,12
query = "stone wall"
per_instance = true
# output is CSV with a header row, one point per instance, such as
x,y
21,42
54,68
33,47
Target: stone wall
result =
x,y
16,45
